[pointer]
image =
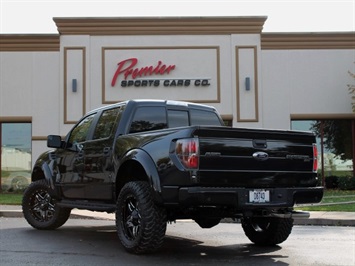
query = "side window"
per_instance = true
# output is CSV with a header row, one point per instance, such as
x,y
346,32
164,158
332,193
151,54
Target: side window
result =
x,y
106,123
178,118
148,118
200,117
81,130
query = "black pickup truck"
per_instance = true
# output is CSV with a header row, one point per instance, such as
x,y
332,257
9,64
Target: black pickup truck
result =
x,y
154,161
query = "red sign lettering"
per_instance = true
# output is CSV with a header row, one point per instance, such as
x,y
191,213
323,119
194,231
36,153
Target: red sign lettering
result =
x,y
126,67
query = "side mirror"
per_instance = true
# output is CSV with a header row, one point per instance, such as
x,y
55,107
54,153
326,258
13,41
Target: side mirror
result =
x,y
54,141
76,147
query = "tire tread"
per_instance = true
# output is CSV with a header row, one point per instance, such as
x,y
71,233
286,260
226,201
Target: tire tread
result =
x,y
61,214
277,232
153,224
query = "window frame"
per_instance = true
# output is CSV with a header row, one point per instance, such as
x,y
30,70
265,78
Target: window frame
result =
x,y
89,132
97,121
178,110
221,123
150,106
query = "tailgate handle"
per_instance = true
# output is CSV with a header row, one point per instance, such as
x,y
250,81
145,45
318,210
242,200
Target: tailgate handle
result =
x,y
259,143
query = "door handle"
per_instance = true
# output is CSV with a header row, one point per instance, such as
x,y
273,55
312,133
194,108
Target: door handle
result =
x,y
81,154
259,143
107,151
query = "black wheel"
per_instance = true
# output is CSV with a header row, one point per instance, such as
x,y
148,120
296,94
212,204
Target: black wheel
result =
x,y
141,224
40,209
267,231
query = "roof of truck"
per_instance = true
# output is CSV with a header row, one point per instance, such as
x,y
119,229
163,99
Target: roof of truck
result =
x,y
155,102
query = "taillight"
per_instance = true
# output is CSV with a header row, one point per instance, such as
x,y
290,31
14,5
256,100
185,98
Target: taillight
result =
x,y
315,158
187,150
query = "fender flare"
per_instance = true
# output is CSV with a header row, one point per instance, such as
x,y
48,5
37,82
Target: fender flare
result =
x,y
49,177
144,159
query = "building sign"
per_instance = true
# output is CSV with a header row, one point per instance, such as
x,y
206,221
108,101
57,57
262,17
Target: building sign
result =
x,y
127,68
183,73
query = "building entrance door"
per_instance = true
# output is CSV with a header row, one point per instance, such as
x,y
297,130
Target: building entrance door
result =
x,y
15,158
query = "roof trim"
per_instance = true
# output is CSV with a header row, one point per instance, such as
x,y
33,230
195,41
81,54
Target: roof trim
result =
x,y
290,41
15,119
29,42
322,116
159,26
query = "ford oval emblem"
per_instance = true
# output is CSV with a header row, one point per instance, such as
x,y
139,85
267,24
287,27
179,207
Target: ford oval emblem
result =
x,y
260,156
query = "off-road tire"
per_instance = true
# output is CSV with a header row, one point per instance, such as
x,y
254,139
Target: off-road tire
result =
x,y
267,231
40,209
140,223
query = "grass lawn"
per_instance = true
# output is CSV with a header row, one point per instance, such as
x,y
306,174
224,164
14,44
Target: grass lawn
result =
x,y
332,197
10,198
330,208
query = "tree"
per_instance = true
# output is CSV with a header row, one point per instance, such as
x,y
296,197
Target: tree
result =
x,y
352,91
337,136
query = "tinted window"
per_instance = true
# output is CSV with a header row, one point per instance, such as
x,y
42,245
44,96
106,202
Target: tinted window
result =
x,y
80,132
200,117
178,118
106,123
148,118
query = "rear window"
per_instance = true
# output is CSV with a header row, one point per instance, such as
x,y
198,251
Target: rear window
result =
x,y
148,118
178,118
200,117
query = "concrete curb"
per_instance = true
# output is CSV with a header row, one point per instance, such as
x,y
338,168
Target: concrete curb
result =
x,y
11,214
316,218
325,222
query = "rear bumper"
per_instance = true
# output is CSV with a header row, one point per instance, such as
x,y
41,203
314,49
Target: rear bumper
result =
x,y
239,197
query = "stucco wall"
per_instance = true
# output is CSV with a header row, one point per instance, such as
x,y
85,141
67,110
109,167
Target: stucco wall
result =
x,y
298,75
305,82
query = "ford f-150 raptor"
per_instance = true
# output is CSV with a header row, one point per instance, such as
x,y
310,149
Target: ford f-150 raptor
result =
x,y
155,161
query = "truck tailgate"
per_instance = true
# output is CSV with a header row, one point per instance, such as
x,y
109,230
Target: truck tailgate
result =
x,y
255,158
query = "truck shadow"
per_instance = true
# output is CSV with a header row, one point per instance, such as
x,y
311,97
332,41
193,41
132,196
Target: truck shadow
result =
x,y
194,251
102,241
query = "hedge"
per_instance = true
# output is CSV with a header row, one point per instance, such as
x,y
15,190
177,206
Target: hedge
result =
x,y
340,182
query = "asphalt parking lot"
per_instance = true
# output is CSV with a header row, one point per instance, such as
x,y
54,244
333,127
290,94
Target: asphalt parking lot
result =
x,y
95,242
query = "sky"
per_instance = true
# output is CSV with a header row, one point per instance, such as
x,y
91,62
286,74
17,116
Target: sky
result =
x,y
29,16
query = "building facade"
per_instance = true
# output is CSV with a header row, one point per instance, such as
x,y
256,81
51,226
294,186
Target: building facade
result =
x,y
254,79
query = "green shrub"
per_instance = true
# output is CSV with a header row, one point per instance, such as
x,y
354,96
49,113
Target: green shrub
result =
x,y
319,179
332,182
346,183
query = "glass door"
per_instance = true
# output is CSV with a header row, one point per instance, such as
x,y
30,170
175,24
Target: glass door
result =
x,y
16,153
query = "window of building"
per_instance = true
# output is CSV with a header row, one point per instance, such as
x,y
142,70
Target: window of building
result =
x,y
335,145
227,122
16,163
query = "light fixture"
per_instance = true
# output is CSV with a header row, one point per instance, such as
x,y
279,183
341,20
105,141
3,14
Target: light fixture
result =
x,y
247,84
74,85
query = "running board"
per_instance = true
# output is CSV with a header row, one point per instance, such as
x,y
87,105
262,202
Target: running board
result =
x,y
86,205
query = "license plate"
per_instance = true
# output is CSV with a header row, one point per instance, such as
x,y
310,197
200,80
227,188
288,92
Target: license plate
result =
x,y
259,196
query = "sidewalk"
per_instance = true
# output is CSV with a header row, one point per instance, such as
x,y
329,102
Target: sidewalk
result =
x,y
316,218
